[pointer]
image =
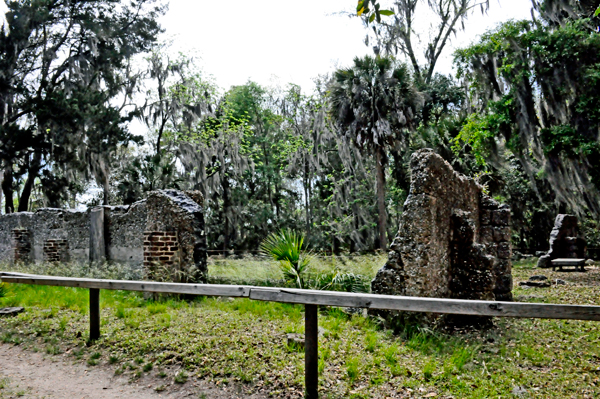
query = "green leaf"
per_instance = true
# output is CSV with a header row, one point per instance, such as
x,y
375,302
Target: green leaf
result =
x,y
597,12
372,18
360,7
386,12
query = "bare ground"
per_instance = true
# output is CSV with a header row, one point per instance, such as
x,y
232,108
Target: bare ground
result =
x,y
29,374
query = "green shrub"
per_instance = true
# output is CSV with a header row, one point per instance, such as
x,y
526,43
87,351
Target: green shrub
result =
x,y
286,248
336,280
353,368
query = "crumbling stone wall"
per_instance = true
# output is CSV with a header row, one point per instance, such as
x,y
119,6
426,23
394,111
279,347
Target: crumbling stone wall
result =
x,y
453,240
59,235
565,241
124,227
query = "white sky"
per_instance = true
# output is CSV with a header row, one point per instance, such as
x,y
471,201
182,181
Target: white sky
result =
x,y
283,41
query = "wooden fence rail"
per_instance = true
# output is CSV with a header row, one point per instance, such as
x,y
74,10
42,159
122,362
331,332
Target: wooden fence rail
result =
x,y
312,299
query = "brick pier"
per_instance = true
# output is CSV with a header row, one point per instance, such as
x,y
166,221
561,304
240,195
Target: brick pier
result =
x,y
56,250
160,248
22,245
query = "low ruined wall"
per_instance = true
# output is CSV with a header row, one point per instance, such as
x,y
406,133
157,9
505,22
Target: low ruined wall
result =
x,y
124,227
116,232
453,240
44,225
68,233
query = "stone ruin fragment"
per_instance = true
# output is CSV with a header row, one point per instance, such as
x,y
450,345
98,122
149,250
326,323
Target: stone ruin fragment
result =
x,y
565,241
174,240
453,240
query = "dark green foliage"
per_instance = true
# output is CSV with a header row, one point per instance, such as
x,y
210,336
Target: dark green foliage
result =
x,y
144,173
538,87
373,104
63,65
336,280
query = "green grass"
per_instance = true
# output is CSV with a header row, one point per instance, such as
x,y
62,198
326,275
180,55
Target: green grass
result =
x,y
244,342
262,270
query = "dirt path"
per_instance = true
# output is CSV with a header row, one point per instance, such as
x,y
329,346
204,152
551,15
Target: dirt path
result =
x,y
28,374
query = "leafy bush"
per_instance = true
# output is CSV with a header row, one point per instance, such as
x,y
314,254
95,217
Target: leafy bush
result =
x,y
337,280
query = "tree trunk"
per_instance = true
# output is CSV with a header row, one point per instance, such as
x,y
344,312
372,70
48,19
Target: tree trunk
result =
x,y
306,180
106,191
26,193
7,189
1,192
226,212
380,171
32,173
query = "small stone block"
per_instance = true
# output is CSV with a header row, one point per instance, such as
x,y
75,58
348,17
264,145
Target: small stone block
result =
x,y
11,311
501,217
487,234
504,250
501,234
486,217
295,340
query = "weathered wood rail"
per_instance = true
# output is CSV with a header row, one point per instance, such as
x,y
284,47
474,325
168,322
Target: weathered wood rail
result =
x,y
312,299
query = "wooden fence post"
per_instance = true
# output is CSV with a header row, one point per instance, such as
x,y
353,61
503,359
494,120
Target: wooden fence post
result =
x,y
311,351
94,314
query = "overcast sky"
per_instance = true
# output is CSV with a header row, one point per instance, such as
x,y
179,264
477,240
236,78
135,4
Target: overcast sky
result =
x,y
290,41
283,41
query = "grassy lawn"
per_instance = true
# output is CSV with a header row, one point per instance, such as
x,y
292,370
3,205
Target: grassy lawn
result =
x,y
242,342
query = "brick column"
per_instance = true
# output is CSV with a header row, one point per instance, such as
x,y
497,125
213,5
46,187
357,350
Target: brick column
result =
x,y
22,245
160,248
56,250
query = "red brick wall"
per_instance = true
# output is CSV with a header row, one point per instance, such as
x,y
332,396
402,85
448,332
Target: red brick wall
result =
x,y
160,247
56,250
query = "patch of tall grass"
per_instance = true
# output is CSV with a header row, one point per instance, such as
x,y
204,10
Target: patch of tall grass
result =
x,y
104,270
264,268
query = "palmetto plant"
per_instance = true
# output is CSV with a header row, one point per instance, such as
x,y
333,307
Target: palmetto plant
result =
x,y
337,280
285,246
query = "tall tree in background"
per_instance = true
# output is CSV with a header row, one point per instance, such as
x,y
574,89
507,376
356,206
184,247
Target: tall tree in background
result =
x,y
372,103
397,34
64,87
537,85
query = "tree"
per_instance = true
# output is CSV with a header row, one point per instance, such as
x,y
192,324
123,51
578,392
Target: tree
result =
x,y
65,86
180,96
372,103
371,11
537,86
397,34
